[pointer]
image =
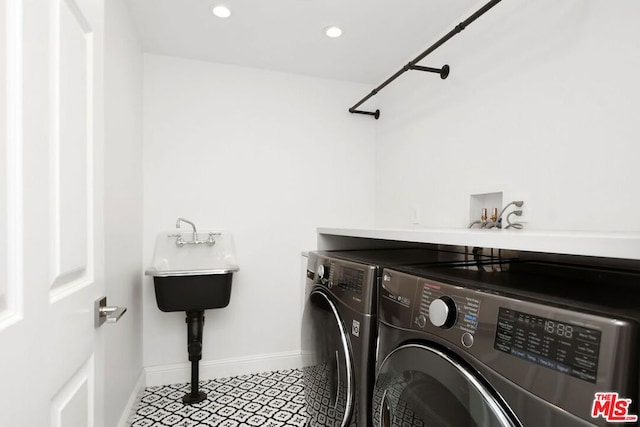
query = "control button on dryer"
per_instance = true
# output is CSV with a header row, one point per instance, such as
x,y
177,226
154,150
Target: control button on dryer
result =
x,y
467,339
421,321
443,312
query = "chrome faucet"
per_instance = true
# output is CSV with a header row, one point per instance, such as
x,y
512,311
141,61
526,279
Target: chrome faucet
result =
x,y
195,232
181,242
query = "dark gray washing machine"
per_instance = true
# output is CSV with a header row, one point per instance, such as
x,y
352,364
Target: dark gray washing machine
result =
x,y
526,347
339,330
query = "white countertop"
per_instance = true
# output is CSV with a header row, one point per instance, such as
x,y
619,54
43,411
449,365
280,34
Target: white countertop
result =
x,y
607,244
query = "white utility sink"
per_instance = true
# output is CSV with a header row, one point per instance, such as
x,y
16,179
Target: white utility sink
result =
x,y
192,271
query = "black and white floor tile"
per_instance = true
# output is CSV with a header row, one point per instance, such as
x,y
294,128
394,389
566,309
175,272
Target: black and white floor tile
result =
x,y
328,404
271,399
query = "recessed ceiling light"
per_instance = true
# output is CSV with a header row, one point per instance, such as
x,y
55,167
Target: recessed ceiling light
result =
x,y
332,31
221,11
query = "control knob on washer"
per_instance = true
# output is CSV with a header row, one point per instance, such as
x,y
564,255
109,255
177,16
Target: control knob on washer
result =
x,y
323,272
443,312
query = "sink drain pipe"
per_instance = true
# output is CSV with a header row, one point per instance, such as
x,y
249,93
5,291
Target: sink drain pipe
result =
x,y
195,325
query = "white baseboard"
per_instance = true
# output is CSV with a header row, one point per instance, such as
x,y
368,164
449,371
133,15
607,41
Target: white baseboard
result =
x,y
210,369
134,400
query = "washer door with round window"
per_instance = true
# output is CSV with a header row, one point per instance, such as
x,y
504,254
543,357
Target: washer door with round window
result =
x,y
327,364
421,386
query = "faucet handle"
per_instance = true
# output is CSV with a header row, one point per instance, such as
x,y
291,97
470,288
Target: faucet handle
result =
x,y
179,240
211,241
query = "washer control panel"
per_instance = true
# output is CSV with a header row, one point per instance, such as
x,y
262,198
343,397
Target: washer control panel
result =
x,y
350,279
490,323
567,348
330,274
354,283
447,307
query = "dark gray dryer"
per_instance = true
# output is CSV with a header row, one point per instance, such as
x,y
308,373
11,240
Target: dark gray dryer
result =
x,y
527,347
339,331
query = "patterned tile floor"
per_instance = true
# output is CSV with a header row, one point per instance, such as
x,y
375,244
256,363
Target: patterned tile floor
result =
x,y
271,399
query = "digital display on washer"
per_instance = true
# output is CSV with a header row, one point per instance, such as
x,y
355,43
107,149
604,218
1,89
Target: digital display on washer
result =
x,y
351,279
563,347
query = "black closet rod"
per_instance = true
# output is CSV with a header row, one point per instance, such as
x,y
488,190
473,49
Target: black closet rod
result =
x,y
444,71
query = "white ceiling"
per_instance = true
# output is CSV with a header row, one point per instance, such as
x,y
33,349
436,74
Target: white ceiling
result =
x,y
379,36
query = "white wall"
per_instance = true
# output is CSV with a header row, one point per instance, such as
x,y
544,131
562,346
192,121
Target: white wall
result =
x,y
267,156
3,155
123,209
542,103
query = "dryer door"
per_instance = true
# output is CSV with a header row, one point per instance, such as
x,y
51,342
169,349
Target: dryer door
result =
x,y
421,386
327,363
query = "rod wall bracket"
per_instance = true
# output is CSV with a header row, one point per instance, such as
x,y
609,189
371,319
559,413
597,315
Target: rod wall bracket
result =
x,y
375,114
444,71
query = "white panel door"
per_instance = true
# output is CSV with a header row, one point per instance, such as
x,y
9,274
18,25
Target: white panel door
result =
x,y
51,242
